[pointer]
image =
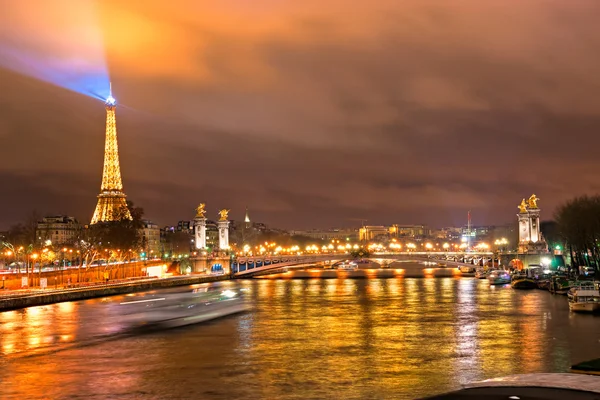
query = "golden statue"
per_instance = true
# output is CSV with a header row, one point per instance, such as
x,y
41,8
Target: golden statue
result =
x,y
200,211
223,213
523,207
533,201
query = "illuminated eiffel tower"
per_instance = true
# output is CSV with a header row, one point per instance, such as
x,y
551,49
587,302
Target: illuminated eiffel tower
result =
x,y
112,205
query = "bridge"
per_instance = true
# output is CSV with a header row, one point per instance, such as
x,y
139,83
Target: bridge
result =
x,y
249,265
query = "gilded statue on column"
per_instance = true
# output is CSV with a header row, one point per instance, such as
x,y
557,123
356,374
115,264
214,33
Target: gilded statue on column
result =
x,y
533,201
523,207
200,210
223,213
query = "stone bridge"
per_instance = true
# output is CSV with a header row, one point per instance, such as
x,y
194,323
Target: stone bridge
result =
x,y
249,265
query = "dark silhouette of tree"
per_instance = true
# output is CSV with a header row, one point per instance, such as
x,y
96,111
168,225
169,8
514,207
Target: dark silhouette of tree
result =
x,y
360,253
551,232
178,242
579,225
120,239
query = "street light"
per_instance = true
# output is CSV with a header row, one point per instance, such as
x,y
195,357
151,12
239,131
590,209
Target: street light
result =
x,y
500,243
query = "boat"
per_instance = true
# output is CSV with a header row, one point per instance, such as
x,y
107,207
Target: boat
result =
x,y
350,265
480,273
591,367
524,279
560,285
499,277
168,309
584,297
529,386
467,268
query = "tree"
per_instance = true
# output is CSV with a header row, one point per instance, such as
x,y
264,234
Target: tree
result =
x,y
360,253
178,242
551,232
579,225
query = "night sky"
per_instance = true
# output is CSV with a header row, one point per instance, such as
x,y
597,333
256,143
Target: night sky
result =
x,y
312,113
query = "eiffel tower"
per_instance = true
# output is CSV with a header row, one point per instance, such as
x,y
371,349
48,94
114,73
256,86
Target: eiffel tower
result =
x,y
112,205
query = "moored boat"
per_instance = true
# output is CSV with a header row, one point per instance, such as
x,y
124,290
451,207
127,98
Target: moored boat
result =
x,y
480,273
560,285
525,279
584,297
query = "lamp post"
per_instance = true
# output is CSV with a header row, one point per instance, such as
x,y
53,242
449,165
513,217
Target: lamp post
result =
x,y
500,243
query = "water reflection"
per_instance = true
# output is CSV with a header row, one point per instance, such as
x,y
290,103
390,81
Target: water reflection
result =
x,y
310,338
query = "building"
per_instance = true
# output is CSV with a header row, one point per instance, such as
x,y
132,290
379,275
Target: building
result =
x,y
59,229
370,232
151,238
330,234
183,226
411,231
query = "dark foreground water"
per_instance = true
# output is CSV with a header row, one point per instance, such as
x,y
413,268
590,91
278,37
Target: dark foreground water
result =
x,y
305,339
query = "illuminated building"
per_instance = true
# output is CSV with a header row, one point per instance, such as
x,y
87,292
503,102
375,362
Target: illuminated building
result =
x,y
331,234
112,205
151,237
370,232
59,229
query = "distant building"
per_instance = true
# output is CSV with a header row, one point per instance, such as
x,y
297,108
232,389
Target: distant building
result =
x,y
330,234
151,237
185,226
370,232
59,229
412,231
212,235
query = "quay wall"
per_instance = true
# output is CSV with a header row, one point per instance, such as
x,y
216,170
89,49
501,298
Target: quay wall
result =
x,y
56,296
73,276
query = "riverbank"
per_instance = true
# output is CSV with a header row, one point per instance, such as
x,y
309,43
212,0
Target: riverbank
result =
x,y
38,298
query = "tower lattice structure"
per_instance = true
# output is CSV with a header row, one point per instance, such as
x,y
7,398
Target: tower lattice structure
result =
x,y
112,204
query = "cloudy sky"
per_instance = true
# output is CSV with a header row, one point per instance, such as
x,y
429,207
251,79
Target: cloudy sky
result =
x,y
312,113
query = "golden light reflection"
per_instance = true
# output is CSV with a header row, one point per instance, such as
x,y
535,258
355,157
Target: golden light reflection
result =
x,y
8,348
35,340
67,307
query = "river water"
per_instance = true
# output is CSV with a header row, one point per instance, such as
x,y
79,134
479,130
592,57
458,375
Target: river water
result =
x,y
305,339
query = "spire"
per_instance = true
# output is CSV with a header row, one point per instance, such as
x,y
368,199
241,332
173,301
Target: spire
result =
x,y
110,100
247,217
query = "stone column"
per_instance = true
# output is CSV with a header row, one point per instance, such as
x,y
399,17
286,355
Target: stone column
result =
x,y
223,235
524,235
200,233
534,224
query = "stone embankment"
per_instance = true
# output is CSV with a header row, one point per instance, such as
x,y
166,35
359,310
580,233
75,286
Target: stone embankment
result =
x,y
24,299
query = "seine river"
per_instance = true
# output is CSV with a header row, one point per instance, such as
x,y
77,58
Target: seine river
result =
x,y
305,339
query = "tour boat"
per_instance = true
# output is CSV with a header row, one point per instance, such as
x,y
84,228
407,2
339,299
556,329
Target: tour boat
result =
x,y
167,309
499,277
351,265
584,297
